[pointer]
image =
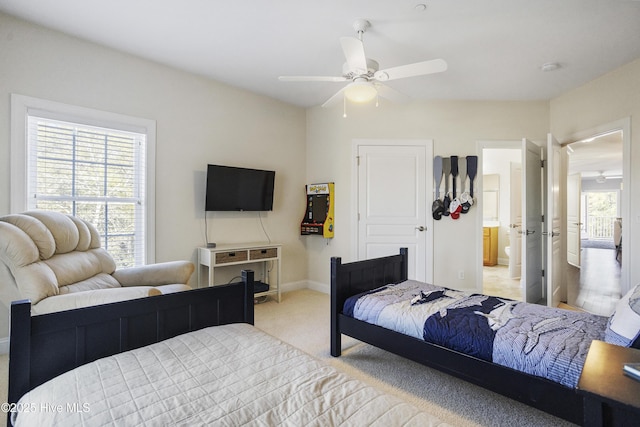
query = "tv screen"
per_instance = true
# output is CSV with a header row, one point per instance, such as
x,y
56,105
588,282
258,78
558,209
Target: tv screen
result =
x,y
239,189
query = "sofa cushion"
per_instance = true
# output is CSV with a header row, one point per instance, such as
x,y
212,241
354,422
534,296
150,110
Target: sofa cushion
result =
x,y
77,266
99,281
17,249
36,281
33,231
64,230
84,235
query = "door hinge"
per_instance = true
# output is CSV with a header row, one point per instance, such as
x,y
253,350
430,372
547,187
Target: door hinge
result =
x,y
542,273
358,216
542,218
358,160
542,163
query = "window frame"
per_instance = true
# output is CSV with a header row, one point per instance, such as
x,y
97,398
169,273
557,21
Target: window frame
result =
x,y
22,106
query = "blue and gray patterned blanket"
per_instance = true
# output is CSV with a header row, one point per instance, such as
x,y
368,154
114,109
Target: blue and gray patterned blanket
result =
x,y
547,342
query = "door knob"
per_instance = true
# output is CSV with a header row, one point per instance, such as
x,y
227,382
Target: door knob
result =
x,y
421,228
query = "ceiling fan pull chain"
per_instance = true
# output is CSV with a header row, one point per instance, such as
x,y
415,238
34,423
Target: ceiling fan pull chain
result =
x,y
344,106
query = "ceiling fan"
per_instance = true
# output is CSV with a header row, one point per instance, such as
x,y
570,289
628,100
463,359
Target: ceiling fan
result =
x,y
364,74
602,178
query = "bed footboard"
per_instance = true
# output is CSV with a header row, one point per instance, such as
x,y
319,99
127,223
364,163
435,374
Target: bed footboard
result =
x,y
48,345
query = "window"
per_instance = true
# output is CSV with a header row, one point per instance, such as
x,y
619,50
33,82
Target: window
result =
x,y
90,164
599,213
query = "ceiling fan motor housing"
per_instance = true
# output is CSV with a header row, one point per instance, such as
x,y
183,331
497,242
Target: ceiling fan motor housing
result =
x,y
372,67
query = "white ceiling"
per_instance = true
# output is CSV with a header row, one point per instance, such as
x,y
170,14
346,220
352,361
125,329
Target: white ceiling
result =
x,y
494,48
601,155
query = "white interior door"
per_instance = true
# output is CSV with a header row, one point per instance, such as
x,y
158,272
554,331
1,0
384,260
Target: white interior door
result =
x,y
574,189
392,183
553,218
532,223
515,221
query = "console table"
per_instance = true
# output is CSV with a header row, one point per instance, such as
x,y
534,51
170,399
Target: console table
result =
x,y
610,397
241,253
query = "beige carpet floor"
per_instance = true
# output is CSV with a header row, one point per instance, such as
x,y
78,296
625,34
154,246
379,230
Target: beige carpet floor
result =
x,y
302,320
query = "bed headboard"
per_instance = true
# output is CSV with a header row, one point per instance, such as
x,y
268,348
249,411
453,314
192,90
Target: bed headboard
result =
x,y
44,346
362,276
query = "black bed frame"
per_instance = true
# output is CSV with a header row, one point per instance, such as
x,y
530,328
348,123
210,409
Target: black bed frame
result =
x,y
45,346
361,276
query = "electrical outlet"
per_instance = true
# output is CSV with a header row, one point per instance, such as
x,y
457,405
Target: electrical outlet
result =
x,y
461,274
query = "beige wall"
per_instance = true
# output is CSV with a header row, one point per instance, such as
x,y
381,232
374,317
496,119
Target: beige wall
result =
x,y
199,121
454,127
610,98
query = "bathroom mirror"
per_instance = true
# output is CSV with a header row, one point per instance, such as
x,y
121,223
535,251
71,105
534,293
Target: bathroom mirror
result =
x,y
490,197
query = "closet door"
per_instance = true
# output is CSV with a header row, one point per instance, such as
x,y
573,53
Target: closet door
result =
x,y
393,181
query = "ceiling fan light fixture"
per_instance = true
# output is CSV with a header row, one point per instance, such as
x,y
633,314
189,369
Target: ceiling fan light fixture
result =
x,y
360,92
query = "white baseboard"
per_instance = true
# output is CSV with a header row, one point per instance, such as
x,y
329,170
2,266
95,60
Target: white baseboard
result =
x,y
306,284
293,286
320,287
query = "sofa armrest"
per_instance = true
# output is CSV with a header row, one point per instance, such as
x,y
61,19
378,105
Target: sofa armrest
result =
x,y
164,273
91,298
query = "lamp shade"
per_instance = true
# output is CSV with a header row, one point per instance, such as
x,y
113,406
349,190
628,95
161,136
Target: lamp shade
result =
x,y
360,91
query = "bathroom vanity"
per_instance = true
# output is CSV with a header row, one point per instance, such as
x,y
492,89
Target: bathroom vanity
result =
x,y
490,246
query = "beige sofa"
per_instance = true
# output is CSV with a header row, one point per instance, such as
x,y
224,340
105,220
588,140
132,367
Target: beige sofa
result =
x,y
55,260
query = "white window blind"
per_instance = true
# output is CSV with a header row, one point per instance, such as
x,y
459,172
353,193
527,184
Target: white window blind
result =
x,y
94,173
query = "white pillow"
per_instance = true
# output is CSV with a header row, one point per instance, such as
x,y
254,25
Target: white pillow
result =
x,y
623,327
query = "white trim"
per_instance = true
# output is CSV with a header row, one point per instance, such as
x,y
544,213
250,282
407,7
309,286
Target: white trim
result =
x,y
319,287
22,105
293,286
305,284
150,197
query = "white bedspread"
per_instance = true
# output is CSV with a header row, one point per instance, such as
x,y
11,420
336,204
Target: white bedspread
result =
x,y
225,376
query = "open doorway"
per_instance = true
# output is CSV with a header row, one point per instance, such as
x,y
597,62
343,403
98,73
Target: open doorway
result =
x,y
501,193
594,220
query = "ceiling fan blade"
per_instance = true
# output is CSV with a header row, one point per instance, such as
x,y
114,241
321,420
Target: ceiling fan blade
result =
x,y
311,79
354,52
391,94
410,70
338,96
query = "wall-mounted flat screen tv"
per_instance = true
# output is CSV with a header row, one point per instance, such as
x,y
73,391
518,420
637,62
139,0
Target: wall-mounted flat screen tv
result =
x,y
232,188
